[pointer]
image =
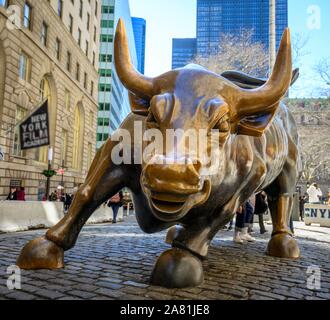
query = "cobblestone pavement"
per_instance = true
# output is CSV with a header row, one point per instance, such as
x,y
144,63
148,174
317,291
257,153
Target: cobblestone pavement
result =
x,y
115,262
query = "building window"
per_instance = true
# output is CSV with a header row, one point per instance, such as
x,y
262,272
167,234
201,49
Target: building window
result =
x,y
68,61
64,147
92,88
78,72
87,48
88,21
20,115
107,24
42,153
85,80
94,59
79,37
25,67
58,48
77,130
60,8
71,24
81,8
44,34
105,57
27,21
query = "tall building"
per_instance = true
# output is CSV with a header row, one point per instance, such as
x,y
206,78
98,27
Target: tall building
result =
x,y
231,16
52,52
113,97
139,28
183,51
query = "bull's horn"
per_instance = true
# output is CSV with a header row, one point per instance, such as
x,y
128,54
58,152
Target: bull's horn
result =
x,y
263,99
134,81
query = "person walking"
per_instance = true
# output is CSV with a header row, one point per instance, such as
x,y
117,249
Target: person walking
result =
x,y
314,194
21,194
115,203
261,209
243,218
12,196
302,201
67,202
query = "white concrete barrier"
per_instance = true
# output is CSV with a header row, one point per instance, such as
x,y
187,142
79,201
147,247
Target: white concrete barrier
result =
x,y
25,215
104,214
318,214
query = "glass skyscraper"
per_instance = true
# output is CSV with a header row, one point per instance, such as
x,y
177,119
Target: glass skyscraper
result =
x,y
183,52
231,16
113,97
139,28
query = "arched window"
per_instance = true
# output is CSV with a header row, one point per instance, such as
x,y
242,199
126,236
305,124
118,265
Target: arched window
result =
x,y
78,131
45,93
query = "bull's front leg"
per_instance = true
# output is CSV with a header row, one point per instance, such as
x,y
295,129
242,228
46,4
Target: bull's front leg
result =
x,y
282,243
182,266
103,181
280,199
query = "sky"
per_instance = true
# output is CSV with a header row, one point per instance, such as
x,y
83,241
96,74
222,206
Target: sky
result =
x,y
177,19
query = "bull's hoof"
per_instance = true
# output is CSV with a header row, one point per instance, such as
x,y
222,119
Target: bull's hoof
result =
x,y
41,254
283,246
177,268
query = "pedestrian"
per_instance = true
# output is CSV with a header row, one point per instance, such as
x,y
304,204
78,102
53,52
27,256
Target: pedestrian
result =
x,y
243,217
302,200
115,203
250,217
261,209
314,194
67,202
21,194
12,196
231,223
53,196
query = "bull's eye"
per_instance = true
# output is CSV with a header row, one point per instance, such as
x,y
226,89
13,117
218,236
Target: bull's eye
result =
x,y
223,125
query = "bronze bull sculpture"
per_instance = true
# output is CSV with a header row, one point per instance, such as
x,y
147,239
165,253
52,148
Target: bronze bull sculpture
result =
x,y
257,150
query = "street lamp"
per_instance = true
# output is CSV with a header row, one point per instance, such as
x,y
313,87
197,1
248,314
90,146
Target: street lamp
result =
x,y
49,173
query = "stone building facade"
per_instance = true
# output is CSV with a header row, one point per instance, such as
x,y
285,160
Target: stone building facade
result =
x,y
48,49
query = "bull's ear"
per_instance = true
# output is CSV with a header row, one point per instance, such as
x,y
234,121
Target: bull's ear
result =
x,y
139,105
254,126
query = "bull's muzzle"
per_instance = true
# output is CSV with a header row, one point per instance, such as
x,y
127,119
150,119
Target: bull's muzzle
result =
x,y
174,186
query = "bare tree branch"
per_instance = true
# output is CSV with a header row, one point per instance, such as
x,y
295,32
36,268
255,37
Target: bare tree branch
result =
x,y
237,52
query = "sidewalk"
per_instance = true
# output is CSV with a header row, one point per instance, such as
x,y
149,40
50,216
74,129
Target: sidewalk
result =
x,y
115,262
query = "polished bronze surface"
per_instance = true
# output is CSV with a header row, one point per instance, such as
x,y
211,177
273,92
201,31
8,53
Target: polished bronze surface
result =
x,y
41,254
256,149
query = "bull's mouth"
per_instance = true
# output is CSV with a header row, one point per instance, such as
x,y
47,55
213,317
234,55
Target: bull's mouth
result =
x,y
171,207
168,203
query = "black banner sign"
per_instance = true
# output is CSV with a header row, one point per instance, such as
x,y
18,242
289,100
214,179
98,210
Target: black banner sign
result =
x,y
34,131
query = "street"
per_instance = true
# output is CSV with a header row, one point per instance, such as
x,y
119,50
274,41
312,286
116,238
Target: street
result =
x,y
116,261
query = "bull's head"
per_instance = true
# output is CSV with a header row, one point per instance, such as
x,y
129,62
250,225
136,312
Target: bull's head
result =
x,y
194,97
